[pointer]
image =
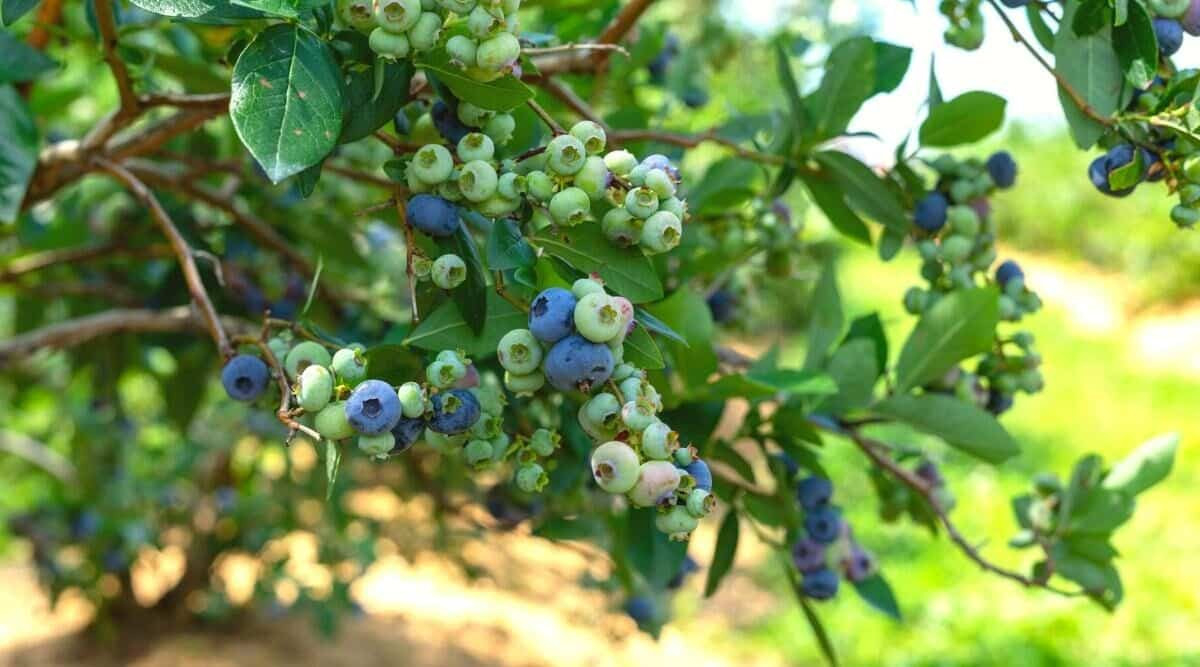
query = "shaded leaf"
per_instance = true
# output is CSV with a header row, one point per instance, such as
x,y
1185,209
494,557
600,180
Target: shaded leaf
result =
x,y
18,152
723,553
21,61
502,94
626,271
877,593
959,326
961,425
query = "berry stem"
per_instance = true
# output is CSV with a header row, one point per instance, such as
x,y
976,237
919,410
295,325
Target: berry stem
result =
x,y
410,246
546,118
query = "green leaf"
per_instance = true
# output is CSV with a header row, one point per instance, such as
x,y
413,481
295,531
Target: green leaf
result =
x,y
794,381
1091,17
963,120
935,91
853,369
287,100
865,191
848,81
446,329
1146,466
1041,31
507,247
1137,46
392,363
723,553
1092,69
364,111
870,327
726,183
725,453
875,591
827,320
791,89
626,271
18,152
642,351
502,94
1093,577
21,61
960,424
891,64
218,11
646,319
333,461
958,326
1100,511
11,10
650,551
766,510
687,312
814,621
285,8
832,202
471,296
1128,175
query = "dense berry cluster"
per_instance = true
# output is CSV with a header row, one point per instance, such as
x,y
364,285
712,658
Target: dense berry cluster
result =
x,y
479,35
826,537
957,243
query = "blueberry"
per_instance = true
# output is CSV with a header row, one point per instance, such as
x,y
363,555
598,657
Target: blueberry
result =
x,y
373,408
688,566
814,492
1191,18
820,585
433,215
245,377
1100,168
1002,168
676,522
407,432
499,52
331,422
700,472
303,355
808,555
575,363
641,609
552,315
1008,270
662,60
721,304
928,471
615,467
930,212
823,524
694,97
1170,35
447,123
656,482
1015,4
701,503
999,402
454,411
858,564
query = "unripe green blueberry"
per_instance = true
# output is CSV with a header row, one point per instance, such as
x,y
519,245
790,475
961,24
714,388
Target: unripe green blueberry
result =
x,y
476,146
962,191
636,415
397,16
623,372
305,354
963,220
927,249
498,206
389,44
511,185
432,164
570,207
620,227
500,128
956,249
615,467
359,14
1030,381
445,443
596,430
565,155
531,478
425,34
461,50
444,373
460,7
657,480
658,181
478,453
414,183
350,365
412,399
676,522
915,300
519,352
499,52
543,442
700,503
478,180
449,271
279,347
481,23
315,388
931,270
523,385
641,202
597,318
604,410
633,387
661,232
491,399
539,185
684,456
637,175
331,422
591,135
1184,216
1189,194
1004,383
473,115
377,445
659,441
585,286
674,205
620,162
593,178
1171,9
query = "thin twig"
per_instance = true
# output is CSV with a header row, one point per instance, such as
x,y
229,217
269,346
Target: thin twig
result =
x,y
574,46
410,247
183,251
25,447
694,140
47,258
546,118
130,104
360,176
284,413
620,26
375,208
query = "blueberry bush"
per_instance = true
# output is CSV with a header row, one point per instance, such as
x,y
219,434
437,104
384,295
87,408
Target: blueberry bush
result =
x,y
493,254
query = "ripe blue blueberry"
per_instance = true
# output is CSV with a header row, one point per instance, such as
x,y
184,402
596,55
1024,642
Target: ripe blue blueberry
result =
x,y
1007,271
700,472
814,492
823,524
662,60
808,555
1002,168
928,471
694,97
454,411
721,304
688,566
1015,4
575,363
552,315
245,377
1170,35
407,432
1118,156
930,213
999,402
820,585
641,609
373,407
433,215
858,564
447,123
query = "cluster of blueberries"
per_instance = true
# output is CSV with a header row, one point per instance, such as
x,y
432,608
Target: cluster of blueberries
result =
x,y
483,33
957,241
826,532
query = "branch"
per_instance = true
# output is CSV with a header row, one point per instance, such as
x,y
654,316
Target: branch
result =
x,y
123,320
546,118
25,447
130,105
410,246
183,252
694,140
567,96
620,26
47,258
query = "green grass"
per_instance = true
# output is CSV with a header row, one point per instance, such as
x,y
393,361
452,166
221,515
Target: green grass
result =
x,y
1096,401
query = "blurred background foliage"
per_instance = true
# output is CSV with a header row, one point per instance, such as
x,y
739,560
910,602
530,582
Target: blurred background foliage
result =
x,y
168,477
